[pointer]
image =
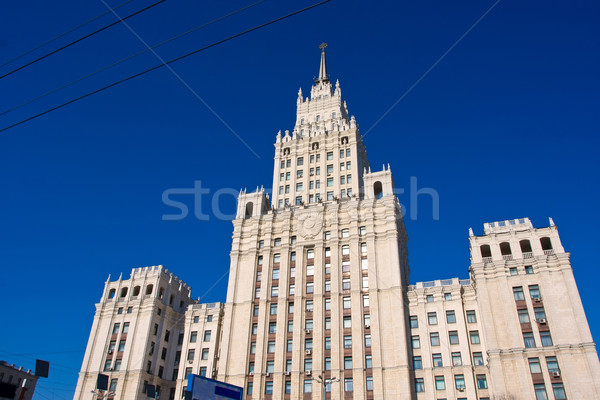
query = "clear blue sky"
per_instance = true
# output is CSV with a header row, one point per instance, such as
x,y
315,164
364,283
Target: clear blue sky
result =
x,y
505,126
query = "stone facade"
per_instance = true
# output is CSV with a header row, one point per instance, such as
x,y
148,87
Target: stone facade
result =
x,y
23,381
319,296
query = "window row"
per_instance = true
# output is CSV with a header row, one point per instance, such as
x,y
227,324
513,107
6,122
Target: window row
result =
x,y
459,382
432,318
307,386
308,345
534,293
437,360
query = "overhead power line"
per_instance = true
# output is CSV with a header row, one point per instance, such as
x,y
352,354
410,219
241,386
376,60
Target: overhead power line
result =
x,y
165,63
129,57
64,33
80,39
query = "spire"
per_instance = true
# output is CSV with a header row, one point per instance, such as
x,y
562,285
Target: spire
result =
x,y
323,77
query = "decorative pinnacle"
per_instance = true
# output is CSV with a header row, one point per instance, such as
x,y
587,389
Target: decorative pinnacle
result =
x,y
323,77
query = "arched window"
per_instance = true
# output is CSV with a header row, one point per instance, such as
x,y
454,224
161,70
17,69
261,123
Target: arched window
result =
x,y
345,140
149,289
378,190
111,294
124,292
486,251
286,151
546,243
249,207
505,249
315,146
525,246
136,291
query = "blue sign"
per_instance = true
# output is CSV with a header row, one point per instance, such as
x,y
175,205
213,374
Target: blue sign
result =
x,y
202,388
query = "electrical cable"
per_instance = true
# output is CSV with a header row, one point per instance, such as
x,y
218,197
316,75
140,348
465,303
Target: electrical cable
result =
x,y
65,33
80,39
165,63
128,58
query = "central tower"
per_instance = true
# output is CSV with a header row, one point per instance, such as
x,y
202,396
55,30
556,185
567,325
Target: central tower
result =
x,y
317,272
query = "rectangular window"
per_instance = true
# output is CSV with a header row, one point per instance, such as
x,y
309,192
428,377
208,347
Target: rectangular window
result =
x,y
309,306
366,300
342,181
342,166
459,381
290,326
256,311
559,391
474,337
329,155
478,358
416,342
307,386
329,183
117,366
249,388
440,384
327,304
348,385
534,292
272,327
513,271
429,298
518,293
273,309
370,383
417,362
253,348
368,361
434,338
437,360
349,181
122,346
254,329
274,291
202,371
432,318
113,385
289,345
310,287
288,387
453,336
471,317
346,284
540,392
329,195
552,364
190,355
365,282
529,269
456,359
481,382
347,362
204,355
327,343
414,322
116,328
300,161
328,286
523,316
368,340
346,302
207,335
271,346
419,385
546,338
310,270
347,322
540,313
450,317
534,365
528,340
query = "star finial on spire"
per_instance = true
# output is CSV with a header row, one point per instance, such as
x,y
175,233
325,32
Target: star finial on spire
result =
x,y
323,45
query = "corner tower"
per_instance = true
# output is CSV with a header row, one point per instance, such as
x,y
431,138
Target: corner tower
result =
x,y
317,275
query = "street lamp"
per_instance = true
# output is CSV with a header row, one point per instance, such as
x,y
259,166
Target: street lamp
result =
x,y
325,382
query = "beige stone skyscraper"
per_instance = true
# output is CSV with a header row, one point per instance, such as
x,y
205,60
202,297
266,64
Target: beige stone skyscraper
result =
x,y
319,297
317,277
